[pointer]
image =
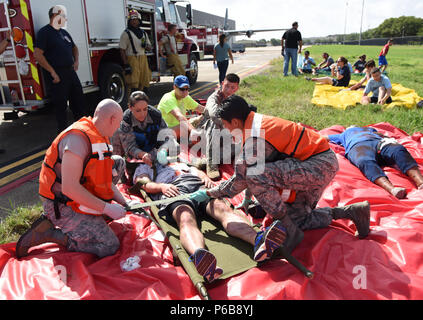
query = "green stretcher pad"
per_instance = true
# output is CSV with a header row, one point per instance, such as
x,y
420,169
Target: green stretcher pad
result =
x,y
233,255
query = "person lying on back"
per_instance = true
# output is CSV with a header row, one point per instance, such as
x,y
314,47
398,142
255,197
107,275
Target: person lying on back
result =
x,y
178,179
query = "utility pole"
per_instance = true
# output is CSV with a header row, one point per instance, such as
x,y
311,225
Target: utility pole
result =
x,y
346,15
361,24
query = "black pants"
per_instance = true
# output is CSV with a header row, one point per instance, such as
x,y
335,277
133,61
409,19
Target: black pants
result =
x,y
376,99
223,68
68,89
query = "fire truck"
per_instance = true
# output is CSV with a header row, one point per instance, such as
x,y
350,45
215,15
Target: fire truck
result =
x,y
96,27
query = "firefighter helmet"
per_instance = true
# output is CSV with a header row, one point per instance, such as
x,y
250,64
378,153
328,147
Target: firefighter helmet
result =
x,y
134,14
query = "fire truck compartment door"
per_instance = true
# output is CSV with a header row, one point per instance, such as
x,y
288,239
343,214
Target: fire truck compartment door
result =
x,y
141,5
76,26
106,19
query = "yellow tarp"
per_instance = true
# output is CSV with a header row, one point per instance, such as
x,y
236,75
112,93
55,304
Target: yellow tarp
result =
x,y
338,97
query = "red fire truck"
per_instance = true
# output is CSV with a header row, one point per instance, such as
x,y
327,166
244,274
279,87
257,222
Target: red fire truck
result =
x,y
96,27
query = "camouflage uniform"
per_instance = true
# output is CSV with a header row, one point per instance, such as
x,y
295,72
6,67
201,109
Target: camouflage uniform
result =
x,y
134,137
308,178
212,132
124,140
86,233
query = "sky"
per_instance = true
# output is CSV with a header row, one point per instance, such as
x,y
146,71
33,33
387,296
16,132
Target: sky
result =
x,y
315,18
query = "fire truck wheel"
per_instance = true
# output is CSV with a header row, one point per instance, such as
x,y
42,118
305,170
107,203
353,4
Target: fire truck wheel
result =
x,y
112,84
193,73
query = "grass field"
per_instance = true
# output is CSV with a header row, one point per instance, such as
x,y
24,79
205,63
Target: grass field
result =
x,y
290,97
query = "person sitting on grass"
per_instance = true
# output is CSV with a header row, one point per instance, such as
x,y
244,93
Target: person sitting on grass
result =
x,y
307,64
367,69
368,150
341,71
186,213
360,64
324,66
381,87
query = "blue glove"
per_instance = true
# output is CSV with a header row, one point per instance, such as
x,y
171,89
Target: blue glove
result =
x,y
200,196
162,157
245,204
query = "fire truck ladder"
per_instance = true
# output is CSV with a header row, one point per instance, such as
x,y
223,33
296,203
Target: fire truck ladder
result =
x,y
7,82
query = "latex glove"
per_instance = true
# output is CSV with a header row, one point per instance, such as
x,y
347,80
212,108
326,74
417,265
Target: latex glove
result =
x,y
114,211
200,196
132,203
162,157
245,204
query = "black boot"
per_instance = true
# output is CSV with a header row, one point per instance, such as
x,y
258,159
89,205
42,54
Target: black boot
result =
x,y
41,231
359,213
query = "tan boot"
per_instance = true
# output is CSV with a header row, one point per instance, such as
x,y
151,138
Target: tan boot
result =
x,y
196,121
213,171
359,213
398,192
199,163
41,231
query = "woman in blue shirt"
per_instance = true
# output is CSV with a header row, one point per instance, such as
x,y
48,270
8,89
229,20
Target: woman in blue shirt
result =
x,y
341,71
221,53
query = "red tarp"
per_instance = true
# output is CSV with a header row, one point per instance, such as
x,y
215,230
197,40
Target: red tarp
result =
x,y
386,265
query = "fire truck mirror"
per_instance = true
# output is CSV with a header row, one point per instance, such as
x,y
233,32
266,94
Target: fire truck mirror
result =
x,y
189,15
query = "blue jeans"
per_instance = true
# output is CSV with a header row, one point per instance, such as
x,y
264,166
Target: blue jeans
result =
x,y
366,157
290,53
223,68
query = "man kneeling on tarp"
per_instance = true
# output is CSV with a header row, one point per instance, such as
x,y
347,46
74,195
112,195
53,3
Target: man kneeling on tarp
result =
x,y
77,186
185,213
286,167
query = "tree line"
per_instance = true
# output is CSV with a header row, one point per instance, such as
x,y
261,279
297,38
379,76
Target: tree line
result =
x,y
403,26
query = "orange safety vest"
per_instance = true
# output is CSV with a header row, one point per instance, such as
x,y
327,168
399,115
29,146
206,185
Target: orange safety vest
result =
x,y
97,172
289,138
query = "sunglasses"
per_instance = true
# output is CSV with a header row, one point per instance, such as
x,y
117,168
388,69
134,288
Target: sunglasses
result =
x,y
184,89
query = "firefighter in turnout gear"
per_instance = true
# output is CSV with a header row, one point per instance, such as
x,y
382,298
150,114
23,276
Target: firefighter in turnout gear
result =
x,y
134,43
168,49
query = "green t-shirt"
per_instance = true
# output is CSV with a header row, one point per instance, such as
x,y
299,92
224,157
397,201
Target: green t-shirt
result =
x,y
169,103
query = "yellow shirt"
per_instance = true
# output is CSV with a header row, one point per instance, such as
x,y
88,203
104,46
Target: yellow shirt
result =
x,y
169,103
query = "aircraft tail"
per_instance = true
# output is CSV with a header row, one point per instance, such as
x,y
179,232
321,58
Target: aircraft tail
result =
x,y
225,25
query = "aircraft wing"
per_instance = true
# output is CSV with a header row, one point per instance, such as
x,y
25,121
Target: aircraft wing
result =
x,y
250,32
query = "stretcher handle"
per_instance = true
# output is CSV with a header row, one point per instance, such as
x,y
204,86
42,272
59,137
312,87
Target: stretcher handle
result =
x,y
283,252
